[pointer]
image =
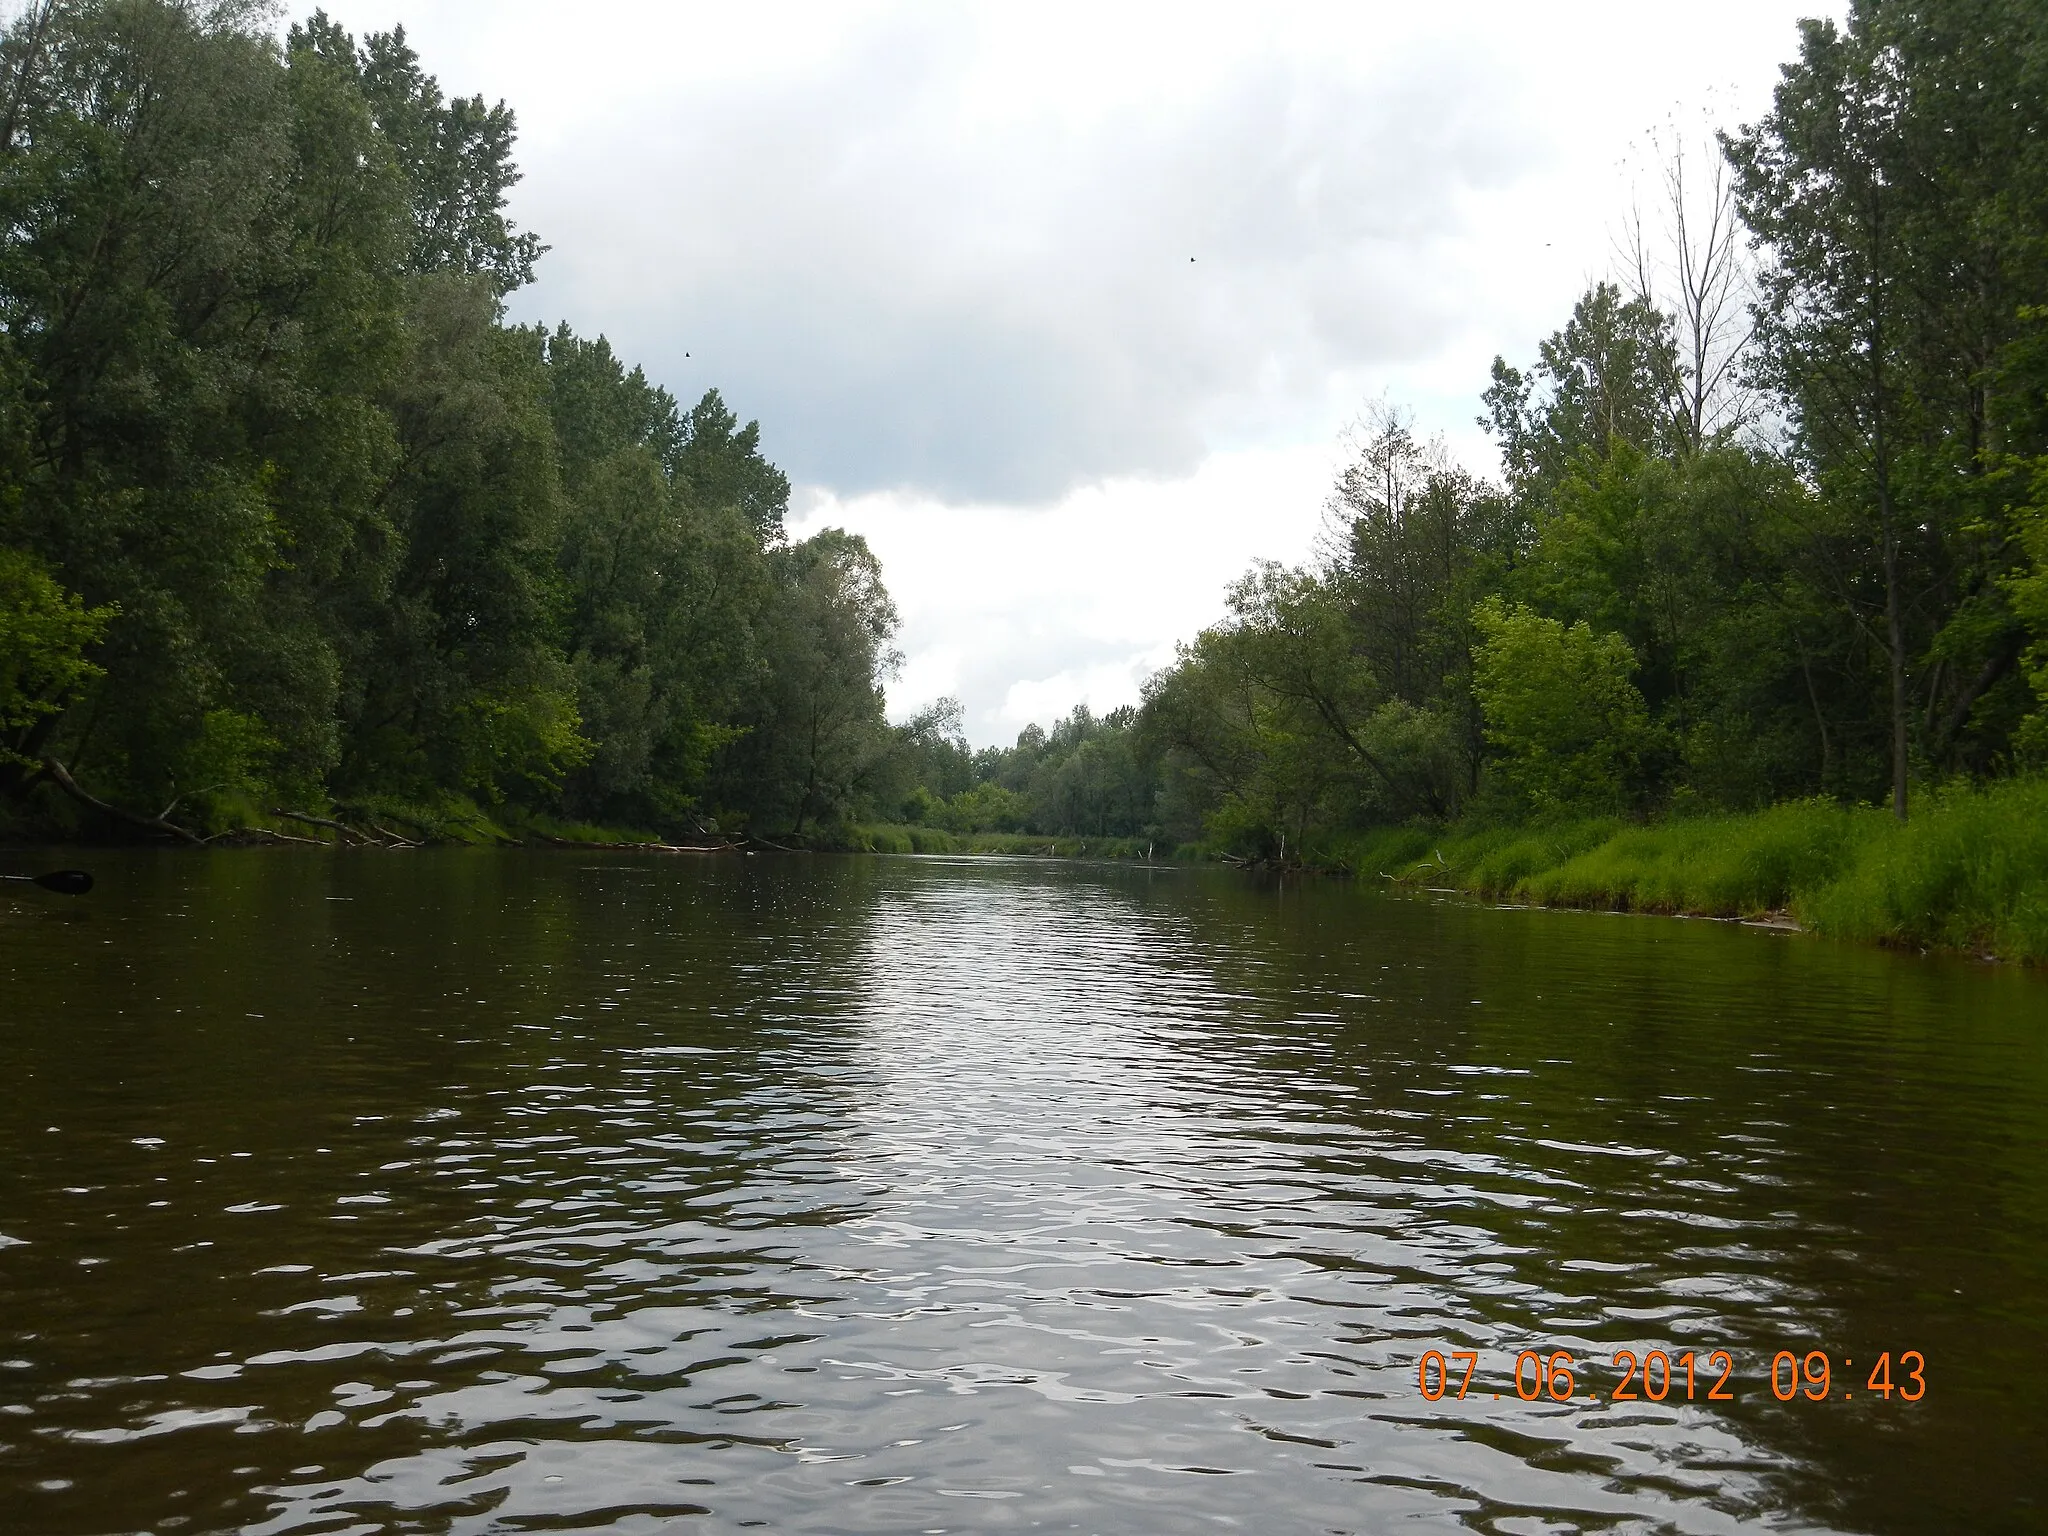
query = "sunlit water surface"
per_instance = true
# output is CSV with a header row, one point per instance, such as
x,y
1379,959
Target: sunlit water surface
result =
x,y
495,1192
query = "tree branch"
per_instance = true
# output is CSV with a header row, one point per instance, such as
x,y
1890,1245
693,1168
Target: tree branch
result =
x,y
61,777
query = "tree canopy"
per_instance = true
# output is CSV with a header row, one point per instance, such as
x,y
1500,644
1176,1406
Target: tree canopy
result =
x,y
291,516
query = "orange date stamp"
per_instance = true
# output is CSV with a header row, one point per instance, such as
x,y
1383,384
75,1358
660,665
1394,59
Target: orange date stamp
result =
x,y
1659,1375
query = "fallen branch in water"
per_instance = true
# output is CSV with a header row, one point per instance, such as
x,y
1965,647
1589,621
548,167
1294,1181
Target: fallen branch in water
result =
x,y
384,837
265,835
341,829
572,842
61,777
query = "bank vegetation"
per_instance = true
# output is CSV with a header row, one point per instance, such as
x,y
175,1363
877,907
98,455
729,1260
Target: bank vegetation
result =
x,y
300,538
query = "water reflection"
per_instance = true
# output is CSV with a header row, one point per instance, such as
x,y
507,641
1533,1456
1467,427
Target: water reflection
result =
x,y
478,1193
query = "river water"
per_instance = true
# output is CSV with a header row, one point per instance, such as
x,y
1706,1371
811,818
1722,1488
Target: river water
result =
x,y
476,1192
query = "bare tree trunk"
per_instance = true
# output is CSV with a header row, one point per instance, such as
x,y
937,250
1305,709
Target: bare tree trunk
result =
x,y
1895,645
36,31
1820,719
61,777
1703,252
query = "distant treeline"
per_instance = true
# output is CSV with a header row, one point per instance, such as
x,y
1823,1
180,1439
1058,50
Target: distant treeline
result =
x,y
1773,523
290,517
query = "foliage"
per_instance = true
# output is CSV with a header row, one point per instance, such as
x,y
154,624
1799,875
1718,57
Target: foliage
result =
x,y
1659,610
1610,377
1970,872
2028,591
289,515
1568,725
816,745
1898,187
45,633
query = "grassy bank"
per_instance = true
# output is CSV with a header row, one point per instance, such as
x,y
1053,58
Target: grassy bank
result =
x,y
1968,872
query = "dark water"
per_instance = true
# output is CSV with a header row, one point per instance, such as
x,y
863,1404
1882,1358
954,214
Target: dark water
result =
x,y
490,1192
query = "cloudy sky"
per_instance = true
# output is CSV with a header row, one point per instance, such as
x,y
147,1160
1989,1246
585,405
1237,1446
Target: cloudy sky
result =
x,y
1067,307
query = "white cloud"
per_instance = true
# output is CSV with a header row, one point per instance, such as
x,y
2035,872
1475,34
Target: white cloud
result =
x,y
1023,612
942,252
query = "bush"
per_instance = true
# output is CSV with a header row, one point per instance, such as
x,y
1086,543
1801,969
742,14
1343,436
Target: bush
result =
x,y
1570,726
1970,871
45,632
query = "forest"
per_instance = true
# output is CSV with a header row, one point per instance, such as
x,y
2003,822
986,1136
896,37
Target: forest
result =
x,y
296,529
1772,524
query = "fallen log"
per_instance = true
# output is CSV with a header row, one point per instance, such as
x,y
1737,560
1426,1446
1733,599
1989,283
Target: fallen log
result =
x,y
264,835
341,829
59,775
572,842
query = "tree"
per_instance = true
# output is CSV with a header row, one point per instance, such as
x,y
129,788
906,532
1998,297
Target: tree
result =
x,y
1416,541
464,687
1569,725
816,737
1898,188
719,463
456,156
1611,375
1693,266
45,633
1826,185
340,532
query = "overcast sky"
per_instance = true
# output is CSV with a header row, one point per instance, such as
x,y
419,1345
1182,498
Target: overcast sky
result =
x,y
1067,308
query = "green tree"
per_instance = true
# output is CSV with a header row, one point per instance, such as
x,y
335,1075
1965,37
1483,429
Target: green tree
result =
x,y
1612,375
455,155
1897,186
45,633
1569,726
665,593
817,742
463,686
197,316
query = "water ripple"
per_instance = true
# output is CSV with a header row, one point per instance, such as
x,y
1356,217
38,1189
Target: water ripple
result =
x,y
901,1196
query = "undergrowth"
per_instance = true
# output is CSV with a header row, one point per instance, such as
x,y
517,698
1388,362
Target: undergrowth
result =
x,y
1969,871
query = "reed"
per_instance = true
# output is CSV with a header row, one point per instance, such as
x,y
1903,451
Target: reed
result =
x,y
1968,872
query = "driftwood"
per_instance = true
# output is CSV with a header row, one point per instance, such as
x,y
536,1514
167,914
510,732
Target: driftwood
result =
x,y
384,836
571,842
340,829
59,775
263,835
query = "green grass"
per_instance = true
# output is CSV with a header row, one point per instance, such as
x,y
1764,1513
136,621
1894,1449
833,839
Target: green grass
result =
x,y
1968,872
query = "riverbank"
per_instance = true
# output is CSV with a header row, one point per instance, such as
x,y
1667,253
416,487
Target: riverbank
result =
x,y
1969,872
1066,845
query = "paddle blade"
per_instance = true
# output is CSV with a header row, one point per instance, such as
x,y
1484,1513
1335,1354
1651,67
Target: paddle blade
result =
x,y
66,882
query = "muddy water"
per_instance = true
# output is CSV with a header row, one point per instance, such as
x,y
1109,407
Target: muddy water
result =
x,y
500,1192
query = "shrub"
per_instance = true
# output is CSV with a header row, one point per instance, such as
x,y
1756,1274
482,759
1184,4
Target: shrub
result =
x,y
1570,726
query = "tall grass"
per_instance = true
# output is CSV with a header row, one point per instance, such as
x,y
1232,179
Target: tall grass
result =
x,y
1969,871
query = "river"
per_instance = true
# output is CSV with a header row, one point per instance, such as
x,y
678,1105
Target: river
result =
x,y
465,1192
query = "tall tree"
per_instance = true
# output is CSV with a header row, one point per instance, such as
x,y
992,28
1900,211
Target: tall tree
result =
x,y
1611,375
1880,185
456,155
